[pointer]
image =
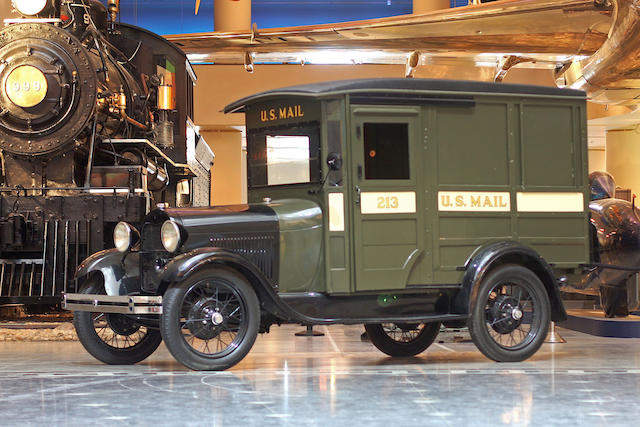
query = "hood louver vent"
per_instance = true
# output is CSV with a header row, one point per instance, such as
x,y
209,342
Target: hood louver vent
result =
x,y
259,248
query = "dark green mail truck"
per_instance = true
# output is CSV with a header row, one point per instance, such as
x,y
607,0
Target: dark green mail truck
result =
x,y
400,204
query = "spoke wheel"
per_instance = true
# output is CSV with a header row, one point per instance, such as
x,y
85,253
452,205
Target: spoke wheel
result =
x,y
402,339
114,339
511,315
211,320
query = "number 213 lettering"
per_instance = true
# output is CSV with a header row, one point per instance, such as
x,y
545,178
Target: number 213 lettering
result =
x,y
389,202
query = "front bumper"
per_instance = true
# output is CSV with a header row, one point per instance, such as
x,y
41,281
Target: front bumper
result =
x,y
126,304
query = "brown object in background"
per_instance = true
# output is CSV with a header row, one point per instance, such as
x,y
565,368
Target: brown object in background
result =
x,y
623,193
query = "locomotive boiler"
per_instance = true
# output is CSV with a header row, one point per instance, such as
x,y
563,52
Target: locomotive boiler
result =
x,y
95,128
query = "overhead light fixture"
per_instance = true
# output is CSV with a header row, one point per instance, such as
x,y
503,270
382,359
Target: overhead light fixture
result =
x,y
350,57
29,7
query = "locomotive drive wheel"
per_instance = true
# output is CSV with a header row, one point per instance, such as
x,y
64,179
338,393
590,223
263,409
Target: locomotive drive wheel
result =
x,y
402,339
112,338
510,319
211,320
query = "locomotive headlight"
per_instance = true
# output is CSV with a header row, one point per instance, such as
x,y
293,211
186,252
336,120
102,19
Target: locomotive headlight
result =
x,y
124,236
29,7
170,236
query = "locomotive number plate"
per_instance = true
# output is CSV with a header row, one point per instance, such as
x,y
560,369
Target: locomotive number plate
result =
x,y
26,86
388,202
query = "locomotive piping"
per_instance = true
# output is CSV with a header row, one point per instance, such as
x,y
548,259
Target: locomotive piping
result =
x,y
87,181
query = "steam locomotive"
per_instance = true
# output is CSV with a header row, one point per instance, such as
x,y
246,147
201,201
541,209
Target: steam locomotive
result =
x,y
95,128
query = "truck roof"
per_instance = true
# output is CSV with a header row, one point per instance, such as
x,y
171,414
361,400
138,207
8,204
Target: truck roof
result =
x,y
376,86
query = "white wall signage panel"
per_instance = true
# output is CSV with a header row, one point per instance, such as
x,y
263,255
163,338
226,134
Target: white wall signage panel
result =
x,y
390,202
474,201
336,212
550,202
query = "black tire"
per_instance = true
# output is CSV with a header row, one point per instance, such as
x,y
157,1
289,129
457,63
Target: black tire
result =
x,y
402,339
211,320
113,338
510,319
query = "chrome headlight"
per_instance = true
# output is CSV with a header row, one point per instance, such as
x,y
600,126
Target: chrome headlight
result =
x,y
170,236
123,236
29,7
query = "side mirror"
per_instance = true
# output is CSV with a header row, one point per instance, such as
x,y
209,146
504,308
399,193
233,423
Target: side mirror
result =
x,y
334,161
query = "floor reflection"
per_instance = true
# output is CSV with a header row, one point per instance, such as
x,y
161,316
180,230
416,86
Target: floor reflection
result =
x,y
288,380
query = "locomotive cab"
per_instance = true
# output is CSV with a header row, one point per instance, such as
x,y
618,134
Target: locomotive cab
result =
x,y
397,203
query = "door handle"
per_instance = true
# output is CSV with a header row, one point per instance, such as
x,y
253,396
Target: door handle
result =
x,y
357,195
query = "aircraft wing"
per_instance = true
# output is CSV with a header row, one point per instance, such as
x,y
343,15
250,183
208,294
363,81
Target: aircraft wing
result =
x,y
593,44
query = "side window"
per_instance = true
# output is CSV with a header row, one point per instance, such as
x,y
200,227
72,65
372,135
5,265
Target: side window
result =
x,y
283,156
288,159
386,151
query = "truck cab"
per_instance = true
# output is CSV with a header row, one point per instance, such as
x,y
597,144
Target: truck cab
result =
x,y
396,203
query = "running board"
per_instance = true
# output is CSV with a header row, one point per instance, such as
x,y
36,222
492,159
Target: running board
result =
x,y
126,304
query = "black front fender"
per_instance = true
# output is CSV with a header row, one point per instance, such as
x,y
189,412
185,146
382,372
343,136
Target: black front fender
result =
x,y
184,265
120,271
491,255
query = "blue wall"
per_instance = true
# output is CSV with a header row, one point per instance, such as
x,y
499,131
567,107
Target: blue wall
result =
x,y
176,16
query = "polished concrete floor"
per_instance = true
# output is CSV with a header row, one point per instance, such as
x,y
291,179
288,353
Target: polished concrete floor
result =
x,y
335,380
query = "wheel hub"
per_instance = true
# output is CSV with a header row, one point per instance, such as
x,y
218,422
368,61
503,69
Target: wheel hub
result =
x,y
217,318
122,325
206,328
505,315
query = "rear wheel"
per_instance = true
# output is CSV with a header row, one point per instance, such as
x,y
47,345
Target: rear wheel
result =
x,y
402,339
112,338
211,320
510,319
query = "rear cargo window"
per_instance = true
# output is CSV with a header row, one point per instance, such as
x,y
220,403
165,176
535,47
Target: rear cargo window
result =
x,y
386,150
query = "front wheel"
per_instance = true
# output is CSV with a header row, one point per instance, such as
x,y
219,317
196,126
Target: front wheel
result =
x,y
211,320
510,319
402,339
112,338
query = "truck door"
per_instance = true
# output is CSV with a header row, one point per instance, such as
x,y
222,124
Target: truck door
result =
x,y
387,225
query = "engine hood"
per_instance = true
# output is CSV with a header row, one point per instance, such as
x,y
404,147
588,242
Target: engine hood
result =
x,y
203,226
283,238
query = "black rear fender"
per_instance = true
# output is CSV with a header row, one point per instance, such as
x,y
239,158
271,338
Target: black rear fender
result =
x,y
492,255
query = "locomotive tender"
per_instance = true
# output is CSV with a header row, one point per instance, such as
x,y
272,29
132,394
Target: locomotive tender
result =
x,y
396,203
95,128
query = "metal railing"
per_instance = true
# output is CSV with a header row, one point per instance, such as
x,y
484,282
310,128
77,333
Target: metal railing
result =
x,y
65,243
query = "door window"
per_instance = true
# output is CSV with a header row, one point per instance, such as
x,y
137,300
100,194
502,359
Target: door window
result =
x,y
386,151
